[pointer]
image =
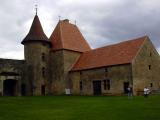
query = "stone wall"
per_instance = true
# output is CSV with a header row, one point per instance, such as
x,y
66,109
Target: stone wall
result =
x,y
116,74
37,67
11,69
146,68
61,62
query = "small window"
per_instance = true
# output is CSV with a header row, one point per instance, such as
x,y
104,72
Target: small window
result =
x,y
80,85
107,84
43,57
151,84
149,67
43,72
80,72
150,54
106,72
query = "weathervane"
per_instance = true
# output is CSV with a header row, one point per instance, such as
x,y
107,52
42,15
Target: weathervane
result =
x,y
59,17
36,8
75,22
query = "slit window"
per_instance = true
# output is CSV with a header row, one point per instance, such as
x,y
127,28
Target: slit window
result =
x,y
150,54
43,57
43,72
149,67
105,84
108,84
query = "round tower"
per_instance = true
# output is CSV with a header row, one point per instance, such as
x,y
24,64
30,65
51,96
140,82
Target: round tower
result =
x,y
36,52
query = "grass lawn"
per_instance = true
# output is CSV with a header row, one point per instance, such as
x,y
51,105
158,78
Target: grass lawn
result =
x,y
80,108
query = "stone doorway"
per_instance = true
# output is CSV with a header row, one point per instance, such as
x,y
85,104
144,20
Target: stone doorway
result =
x,y
97,88
10,87
43,90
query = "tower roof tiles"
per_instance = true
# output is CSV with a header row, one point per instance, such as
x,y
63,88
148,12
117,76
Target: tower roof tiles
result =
x,y
67,36
36,32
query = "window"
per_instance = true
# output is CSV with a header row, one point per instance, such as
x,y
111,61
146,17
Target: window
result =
x,y
151,84
80,85
150,54
43,72
43,57
106,72
149,67
107,84
80,72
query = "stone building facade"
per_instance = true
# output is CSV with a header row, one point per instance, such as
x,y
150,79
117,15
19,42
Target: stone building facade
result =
x,y
65,63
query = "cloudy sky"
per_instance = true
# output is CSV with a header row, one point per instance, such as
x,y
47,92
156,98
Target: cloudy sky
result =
x,y
102,22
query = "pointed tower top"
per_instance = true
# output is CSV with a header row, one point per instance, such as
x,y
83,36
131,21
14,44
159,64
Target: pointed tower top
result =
x,y
36,32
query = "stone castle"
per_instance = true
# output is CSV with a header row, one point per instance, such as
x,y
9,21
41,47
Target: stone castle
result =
x,y
65,64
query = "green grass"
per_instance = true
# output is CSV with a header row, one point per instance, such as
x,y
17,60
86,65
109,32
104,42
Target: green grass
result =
x,y
79,108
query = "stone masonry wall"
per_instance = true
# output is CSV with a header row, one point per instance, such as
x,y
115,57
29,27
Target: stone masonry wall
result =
x,y
9,67
116,74
146,68
37,67
61,63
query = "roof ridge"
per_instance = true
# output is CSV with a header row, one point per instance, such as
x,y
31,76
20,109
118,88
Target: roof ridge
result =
x,y
61,37
130,40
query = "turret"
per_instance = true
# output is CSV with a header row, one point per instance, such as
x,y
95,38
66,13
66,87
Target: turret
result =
x,y
36,52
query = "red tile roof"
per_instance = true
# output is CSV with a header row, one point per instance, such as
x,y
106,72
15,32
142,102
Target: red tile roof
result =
x,y
36,32
121,53
68,36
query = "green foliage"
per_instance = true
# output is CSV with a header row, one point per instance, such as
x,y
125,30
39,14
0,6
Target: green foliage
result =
x,y
79,108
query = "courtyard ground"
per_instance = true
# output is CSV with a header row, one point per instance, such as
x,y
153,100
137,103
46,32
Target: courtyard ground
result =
x,y
80,108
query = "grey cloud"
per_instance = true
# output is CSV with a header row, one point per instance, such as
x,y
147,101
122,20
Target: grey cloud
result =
x,y
102,22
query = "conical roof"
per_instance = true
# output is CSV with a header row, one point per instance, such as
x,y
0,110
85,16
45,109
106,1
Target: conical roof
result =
x,y
67,36
36,32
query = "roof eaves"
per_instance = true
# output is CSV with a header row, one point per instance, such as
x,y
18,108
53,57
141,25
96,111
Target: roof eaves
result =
x,y
83,69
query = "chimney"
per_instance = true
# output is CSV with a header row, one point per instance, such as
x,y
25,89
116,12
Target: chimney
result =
x,y
66,20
